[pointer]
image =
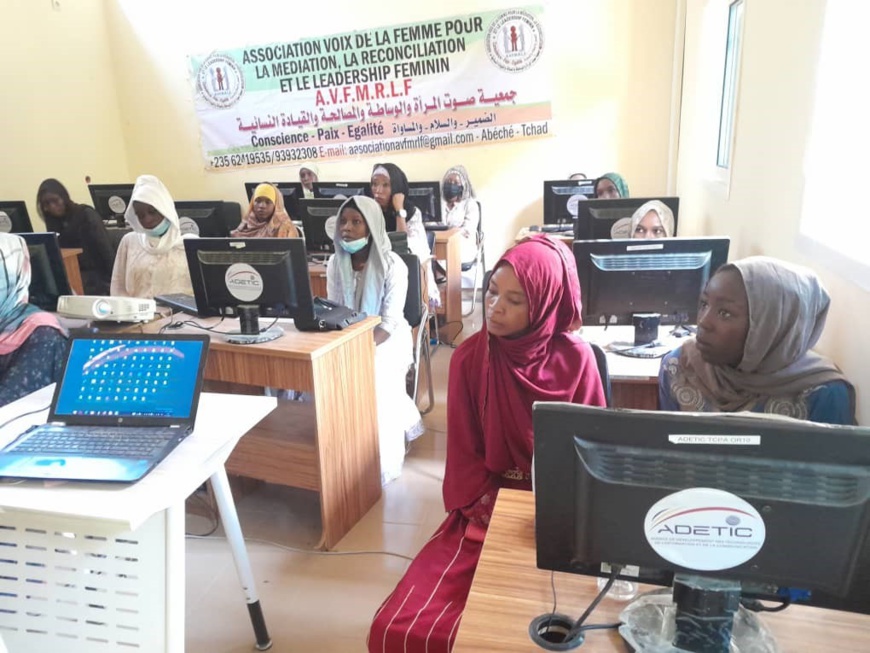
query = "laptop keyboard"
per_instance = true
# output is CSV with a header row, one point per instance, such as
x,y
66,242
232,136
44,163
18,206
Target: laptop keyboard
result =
x,y
106,442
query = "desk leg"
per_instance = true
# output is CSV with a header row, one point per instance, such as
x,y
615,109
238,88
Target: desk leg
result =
x,y
230,520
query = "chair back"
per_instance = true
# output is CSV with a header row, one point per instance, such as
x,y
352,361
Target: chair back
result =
x,y
414,299
601,359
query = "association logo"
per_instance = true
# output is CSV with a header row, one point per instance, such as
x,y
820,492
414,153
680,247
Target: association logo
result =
x,y
514,41
243,282
704,529
220,81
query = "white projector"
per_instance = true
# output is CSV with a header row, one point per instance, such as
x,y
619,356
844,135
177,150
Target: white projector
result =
x,y
111,309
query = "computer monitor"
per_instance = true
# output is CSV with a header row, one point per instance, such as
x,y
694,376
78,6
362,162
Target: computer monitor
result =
x,y
332,189
14,218
48,279
779,505
426,196
315,213
561,199
623,278
291,190
595,218
111,200
206,215
250,277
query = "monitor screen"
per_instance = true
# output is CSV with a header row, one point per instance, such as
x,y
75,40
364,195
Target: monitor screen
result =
x,y
780,505
291,190
426,196
205,216
561,199
595,218
315,213
620,278
111,200
343,189
271,273
14,218
48,279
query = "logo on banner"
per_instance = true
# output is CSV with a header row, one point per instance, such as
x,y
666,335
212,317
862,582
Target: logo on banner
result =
x,y
704,529
220,81
514,41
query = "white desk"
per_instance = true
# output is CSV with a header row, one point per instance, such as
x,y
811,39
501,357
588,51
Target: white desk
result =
x,y
100,567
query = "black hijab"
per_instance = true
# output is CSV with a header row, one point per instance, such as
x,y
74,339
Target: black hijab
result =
x,y
398,184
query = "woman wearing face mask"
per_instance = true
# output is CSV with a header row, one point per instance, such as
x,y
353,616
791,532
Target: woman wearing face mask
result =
x,y
366,275
151,260
460,209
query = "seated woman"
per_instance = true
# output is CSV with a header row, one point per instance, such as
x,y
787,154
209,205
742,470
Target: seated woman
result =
x,y
81,227
389,187
308,174
32,342
151,260
526,351
266,216
610,186
652,219
365,274
460,209
757,320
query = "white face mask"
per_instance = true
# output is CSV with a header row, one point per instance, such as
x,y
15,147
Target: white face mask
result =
x,y
353,246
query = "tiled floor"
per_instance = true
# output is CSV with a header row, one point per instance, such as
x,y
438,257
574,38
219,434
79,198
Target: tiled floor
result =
x,y
314,602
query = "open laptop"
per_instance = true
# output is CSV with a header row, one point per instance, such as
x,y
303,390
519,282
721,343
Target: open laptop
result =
x,y
122,404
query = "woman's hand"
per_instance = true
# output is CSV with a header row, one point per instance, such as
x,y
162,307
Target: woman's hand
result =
x,y
398,201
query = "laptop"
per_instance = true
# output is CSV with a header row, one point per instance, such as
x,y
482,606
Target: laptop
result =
x,y
123,403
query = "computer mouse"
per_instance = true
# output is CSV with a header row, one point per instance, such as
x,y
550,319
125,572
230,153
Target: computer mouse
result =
x,y
535,227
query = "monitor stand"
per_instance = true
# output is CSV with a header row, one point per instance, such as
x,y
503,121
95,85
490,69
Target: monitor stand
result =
x,y
250,333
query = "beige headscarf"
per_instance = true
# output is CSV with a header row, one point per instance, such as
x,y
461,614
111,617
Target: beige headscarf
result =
x,y
624,227
787,310
150,190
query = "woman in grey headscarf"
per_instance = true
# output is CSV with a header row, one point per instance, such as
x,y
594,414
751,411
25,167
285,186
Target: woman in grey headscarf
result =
x,y
652,219
758,318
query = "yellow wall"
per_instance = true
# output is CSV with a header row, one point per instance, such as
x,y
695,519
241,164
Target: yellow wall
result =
x,y
762,213
610,62
59,110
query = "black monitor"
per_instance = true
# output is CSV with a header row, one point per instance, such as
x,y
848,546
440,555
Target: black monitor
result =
x,y
561,199
14,218
623,278
48,279
250,277
426,196
111,200
206,215
345,189
595,218
315,213
291,190
779,506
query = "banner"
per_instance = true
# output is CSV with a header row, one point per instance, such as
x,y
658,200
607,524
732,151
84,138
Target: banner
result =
x,y
464,80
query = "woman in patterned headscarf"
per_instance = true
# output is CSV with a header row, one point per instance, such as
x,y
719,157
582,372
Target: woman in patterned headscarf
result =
x,y
758,319
610,186
32,342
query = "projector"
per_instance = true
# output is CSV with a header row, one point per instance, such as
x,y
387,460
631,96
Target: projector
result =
x,y
110,309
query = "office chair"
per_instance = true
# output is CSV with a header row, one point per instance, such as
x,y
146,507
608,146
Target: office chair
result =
x,y
479,261
417,314
601,359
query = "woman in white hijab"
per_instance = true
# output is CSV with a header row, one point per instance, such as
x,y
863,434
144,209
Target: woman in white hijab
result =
x,y
151,260
308,174
652,219
366,275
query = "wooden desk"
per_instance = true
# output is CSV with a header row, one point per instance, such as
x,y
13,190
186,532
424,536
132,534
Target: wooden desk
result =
x,y
73,272
509,591
317,275
447,249
328,445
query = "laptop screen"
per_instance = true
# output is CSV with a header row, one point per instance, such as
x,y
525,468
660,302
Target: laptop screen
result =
x,y
129,377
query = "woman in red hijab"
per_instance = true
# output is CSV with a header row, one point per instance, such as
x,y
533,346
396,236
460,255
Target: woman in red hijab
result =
x,y
525,352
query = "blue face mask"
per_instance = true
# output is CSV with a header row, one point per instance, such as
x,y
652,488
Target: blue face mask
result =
x,y
353,246
160,229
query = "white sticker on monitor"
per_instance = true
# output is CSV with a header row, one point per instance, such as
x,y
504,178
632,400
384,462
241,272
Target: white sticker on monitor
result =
x,y
244,282
329,226
646,247
704,529
188,226
732,440
5,222
117,204
572,203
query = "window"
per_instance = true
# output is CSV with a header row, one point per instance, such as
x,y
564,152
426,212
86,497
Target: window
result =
x,y
728,105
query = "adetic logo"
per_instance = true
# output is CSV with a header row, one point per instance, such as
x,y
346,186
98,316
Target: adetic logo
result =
x,y
704,529
220,81
243,282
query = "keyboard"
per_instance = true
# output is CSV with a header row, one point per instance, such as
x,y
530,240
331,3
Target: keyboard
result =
x,y
105,442
557,228
435,226
178,302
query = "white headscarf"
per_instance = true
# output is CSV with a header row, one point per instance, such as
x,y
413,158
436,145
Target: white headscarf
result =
x,y
368,294
150,190
624,227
